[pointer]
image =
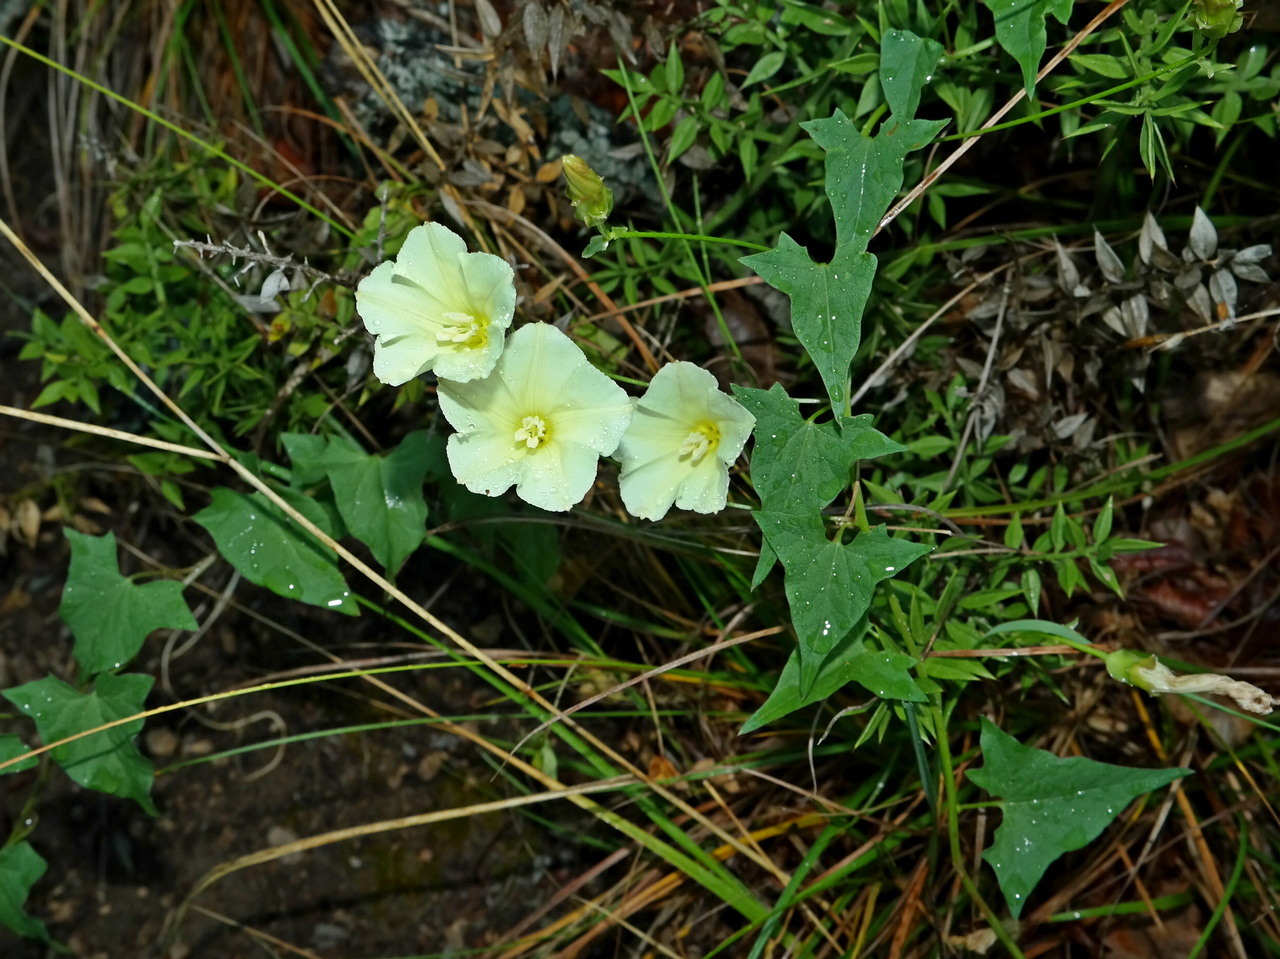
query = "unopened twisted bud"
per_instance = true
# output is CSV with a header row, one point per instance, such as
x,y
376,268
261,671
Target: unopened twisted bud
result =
x,y
1147,672
592,200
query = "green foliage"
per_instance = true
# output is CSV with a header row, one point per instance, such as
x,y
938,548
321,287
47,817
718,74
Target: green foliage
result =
x,y
1216,18
1051,806
110,616
907,63
107,761
11,747
1020,31
829,583
269,549
20,866
884,673
800,466
379,498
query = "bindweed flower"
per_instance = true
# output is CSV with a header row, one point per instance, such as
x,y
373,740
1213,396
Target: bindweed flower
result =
x,y
682,440
540,421
437,307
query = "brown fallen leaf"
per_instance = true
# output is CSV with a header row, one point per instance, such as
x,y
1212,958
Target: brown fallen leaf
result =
x,y
27,522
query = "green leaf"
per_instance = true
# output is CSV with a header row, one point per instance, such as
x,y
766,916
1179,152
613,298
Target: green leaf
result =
x,y
827,302
864,174
764,68
797,465
1038,627
306,458
1051,806
682,137
270,550
107,761
111,616
906,66
1102,525
11,747
534,549
885,674
764,564
20,867
1020,31
829,584
380,497
1013,532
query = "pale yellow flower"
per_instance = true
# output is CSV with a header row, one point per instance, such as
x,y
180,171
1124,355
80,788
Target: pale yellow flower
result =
x,y
437,307
540,421
684,436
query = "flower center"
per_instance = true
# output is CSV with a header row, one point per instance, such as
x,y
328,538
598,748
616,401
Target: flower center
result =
x,y
703,439
532,432
463,329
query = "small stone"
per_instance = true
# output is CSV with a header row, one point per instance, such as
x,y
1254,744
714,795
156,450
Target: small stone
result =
x,y
161,742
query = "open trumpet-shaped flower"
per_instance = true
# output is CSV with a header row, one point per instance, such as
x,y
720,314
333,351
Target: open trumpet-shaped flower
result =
x,y
539,422
682,440
437,307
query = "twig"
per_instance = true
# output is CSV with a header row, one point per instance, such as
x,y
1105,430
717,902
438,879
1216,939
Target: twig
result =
x,y
980,393
267,258
875,378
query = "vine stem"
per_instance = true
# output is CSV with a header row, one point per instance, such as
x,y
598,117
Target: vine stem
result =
x,y
1103,15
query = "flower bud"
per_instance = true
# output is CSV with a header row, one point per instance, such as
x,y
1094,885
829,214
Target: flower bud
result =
x,y
1216,18
592,200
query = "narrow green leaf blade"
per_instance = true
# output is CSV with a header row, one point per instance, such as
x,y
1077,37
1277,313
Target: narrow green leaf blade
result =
x,y
20,867
270,550
1051,805
107,761
110,616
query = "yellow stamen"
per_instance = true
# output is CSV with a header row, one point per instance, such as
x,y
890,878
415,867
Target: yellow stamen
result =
x,y
703,439
465,329
532,432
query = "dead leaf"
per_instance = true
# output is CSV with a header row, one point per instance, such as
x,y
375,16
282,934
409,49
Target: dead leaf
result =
x,y
28,521
660,767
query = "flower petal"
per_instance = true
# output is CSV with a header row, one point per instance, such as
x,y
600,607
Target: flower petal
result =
x,y
484,462
707,488
557,477
432,255
399,361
